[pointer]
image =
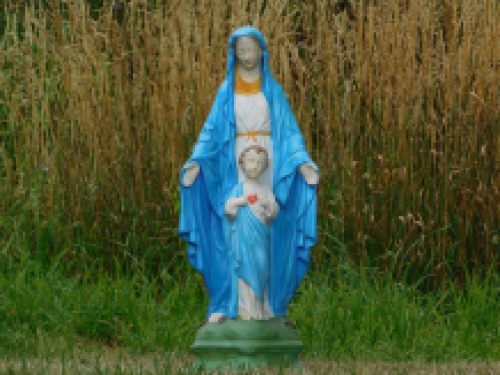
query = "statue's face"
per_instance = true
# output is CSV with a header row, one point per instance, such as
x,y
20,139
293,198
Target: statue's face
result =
x,y
248,52
254,163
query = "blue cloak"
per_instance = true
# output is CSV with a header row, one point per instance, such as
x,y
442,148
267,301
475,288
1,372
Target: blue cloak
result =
x,y
292,233
248,242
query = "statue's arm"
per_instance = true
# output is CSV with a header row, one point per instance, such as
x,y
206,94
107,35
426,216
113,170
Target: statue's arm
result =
x,y
308,170
232,205
272,208
230,209
207,143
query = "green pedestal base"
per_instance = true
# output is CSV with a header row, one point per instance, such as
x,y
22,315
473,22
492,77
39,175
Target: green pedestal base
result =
x,y
246,344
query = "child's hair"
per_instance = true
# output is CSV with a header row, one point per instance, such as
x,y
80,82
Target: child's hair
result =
x,y
258,149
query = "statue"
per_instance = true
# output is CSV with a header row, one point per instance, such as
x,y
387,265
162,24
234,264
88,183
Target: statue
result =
x,y
250,210
250,113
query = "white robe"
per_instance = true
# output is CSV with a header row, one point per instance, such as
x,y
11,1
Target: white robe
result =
x,y
252,114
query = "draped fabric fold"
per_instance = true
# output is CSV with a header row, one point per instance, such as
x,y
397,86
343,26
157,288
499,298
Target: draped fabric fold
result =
x,y
247,239
292,233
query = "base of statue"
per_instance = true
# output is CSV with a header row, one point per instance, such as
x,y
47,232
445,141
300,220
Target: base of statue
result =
x,y
247,344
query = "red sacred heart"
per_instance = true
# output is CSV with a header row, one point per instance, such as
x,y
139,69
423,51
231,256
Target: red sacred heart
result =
x,y
252,198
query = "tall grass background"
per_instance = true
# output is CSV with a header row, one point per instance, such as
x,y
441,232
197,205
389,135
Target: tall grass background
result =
x,y
398,102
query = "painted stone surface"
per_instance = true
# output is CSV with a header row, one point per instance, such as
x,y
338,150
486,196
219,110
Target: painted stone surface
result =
x,y
248,344
248,213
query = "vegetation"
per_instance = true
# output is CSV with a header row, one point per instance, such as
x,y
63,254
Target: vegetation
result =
x,y
97,321
397,101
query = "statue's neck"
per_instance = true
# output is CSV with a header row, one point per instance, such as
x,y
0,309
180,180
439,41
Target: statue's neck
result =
x,y
252,181
249,75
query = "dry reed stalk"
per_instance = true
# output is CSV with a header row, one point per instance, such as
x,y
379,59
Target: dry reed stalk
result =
x,y
116,114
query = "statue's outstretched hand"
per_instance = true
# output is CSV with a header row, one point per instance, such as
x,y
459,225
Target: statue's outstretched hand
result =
x,y
192,171
310,174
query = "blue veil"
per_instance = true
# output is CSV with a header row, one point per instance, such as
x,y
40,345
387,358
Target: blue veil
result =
x,y
202,204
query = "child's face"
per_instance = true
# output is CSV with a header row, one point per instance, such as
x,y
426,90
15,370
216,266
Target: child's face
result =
x,y
248,52
254,163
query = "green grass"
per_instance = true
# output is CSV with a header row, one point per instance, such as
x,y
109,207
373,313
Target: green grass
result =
x,y
342,315
63,300
130,311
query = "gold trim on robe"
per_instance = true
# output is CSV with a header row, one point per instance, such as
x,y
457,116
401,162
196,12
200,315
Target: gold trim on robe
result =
x,y
243,87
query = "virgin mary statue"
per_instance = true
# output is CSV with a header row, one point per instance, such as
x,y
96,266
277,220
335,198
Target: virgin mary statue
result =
x,y
250,109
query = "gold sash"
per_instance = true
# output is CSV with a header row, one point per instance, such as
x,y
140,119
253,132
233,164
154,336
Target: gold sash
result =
x,y
252,135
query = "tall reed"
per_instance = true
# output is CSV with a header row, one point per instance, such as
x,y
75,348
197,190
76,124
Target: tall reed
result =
x,y
398,104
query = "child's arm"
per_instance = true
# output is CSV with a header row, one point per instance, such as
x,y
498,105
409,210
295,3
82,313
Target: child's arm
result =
x,y
232,205
270,206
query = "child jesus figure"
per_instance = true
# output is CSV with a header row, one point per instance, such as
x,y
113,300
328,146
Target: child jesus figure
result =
x,y
249,211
